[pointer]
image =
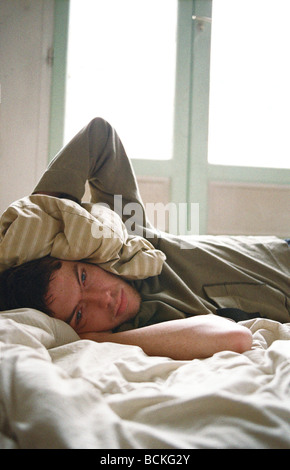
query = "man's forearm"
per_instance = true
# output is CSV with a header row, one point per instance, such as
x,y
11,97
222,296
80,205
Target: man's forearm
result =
x,y
196,337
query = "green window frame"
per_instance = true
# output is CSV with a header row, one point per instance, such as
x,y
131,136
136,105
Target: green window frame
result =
x,y
189,170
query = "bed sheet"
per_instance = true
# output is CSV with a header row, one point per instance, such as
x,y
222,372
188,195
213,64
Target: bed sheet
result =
x,y
61,392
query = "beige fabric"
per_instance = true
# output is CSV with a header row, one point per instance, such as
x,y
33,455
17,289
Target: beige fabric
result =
x,y
41,225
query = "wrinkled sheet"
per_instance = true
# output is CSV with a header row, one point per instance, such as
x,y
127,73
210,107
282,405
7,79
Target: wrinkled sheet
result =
x,y
61,392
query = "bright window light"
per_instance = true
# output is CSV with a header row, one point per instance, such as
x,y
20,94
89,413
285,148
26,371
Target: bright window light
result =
x,y
121,66
249,117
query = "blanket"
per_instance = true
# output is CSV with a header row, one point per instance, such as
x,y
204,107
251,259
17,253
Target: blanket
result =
x,y
60,392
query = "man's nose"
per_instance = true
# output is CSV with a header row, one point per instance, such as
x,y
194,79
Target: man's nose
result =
x,y
100,297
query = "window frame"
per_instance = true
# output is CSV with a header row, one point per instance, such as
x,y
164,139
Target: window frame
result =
x,y
189,172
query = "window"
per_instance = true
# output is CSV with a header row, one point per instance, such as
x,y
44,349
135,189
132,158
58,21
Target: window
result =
x,y
121,66
249,84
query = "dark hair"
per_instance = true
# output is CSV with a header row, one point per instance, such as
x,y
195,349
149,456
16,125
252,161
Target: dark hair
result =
x,y
27,285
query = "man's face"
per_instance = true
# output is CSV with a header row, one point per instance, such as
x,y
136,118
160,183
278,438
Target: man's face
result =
x,y
91,299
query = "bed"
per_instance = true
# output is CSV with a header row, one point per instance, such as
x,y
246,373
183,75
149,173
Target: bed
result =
x,y
60,392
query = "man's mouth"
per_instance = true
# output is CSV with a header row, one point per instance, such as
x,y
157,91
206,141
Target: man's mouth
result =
x,y
122,304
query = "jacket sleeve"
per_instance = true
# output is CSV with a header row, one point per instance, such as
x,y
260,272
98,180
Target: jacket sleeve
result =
x,y
96,155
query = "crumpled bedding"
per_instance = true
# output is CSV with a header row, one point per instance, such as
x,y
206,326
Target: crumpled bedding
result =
x,y
61,392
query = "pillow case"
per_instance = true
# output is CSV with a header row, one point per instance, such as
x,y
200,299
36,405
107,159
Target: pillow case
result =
x,y
41,225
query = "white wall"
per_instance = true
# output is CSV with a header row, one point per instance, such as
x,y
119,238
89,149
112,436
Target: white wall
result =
x,y
248,209
26,36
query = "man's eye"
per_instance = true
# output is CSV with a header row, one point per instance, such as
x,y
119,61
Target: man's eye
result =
x,y
83,277
78,316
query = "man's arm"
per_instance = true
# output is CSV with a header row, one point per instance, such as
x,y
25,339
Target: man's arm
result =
x,y
96,155
197,337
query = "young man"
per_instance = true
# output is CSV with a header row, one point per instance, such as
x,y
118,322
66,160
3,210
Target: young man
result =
x,y
236,277
95,303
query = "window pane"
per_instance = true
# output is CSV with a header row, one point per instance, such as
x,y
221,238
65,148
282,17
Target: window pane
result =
x,y
249,85
121,66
